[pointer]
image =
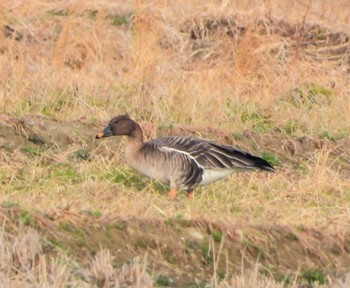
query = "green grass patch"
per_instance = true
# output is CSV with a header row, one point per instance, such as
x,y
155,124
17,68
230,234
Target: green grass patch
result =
x,y
316,89
221,274
94,212
127,179
292,236
24,107
249,114
121,225
27,218
120,19
334,136
272,159
159,187
65,171
259,122
33,150
81,232
207,252
164,281
328,135
309,95
217,236
66,226
170,222
314,276
92,14
294,128
61,101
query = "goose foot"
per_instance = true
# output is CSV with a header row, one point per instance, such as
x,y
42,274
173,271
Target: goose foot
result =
x,y
190,194
172,193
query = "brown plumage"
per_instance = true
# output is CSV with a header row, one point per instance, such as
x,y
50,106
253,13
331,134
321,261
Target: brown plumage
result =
x,y
182,162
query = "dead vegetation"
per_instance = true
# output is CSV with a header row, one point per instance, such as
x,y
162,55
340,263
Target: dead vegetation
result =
x,y
59,249
270,78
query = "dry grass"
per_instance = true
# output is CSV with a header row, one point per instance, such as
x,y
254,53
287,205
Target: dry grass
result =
x,y
268,76
151,68
314,193
25,265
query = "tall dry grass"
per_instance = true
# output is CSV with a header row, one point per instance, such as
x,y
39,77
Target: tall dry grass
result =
x,y
278,68
72,63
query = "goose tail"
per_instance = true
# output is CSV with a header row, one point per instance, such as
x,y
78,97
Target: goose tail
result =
x,y
262,164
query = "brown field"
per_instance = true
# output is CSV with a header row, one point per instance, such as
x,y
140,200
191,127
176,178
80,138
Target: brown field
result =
x,y
270,77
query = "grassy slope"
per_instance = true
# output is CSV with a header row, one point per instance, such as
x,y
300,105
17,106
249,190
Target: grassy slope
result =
x,y
245,79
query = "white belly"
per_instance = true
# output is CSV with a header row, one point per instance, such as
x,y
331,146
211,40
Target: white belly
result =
x,y
211,175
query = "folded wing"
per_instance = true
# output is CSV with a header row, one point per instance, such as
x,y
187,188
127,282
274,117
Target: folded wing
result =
x,y
209,155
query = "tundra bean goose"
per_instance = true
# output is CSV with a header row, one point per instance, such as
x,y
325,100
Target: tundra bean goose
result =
x,y
182,162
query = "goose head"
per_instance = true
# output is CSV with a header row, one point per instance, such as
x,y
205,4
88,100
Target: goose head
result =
x,y
120,125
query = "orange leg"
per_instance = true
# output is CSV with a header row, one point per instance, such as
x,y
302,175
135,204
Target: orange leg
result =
x,y
172,193
190,194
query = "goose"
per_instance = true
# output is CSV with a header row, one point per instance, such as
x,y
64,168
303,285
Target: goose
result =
x,y
181,162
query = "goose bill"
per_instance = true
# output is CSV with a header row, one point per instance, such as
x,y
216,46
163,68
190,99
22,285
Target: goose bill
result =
x,y
105,133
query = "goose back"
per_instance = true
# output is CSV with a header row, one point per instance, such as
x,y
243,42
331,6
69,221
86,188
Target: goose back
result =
x,y
209,155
